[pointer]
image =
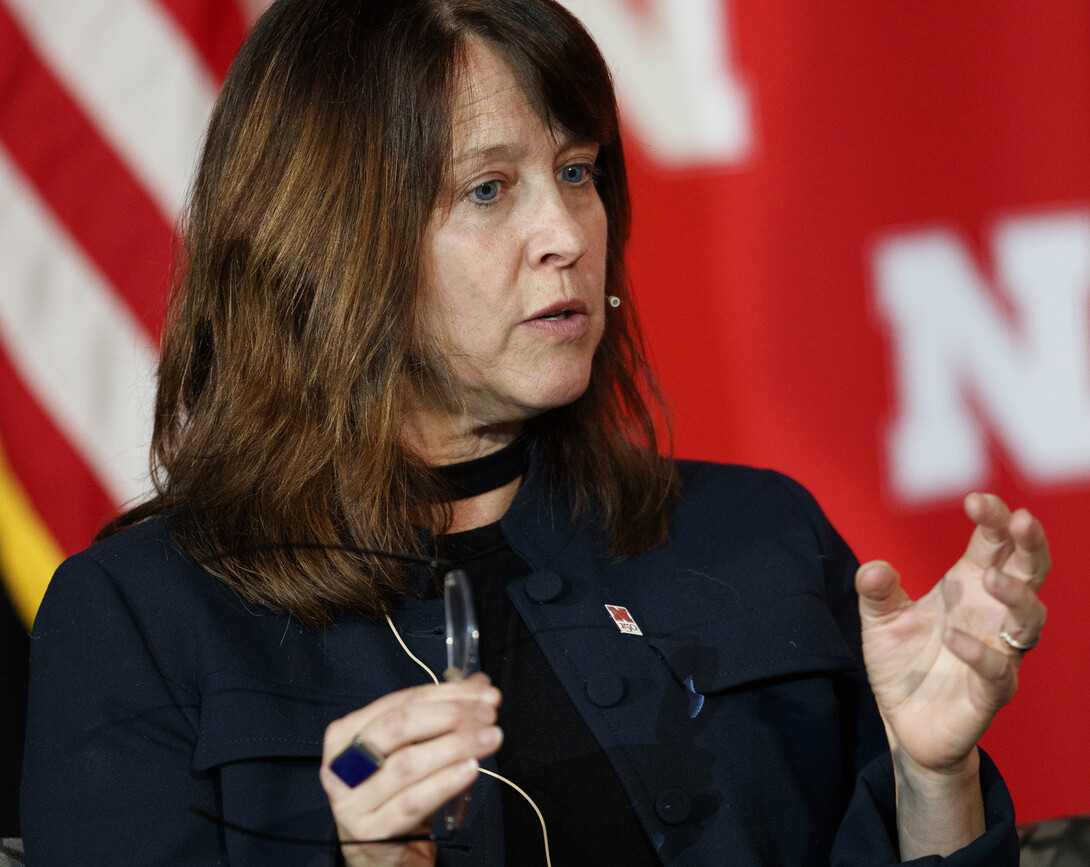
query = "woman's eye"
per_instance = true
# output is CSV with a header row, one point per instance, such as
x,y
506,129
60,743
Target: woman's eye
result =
x,y
575,174
486,192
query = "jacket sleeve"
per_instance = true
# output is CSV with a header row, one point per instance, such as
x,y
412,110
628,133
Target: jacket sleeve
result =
x,y
108,773
868,832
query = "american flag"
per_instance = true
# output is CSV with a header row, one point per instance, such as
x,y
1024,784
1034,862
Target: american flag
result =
x,y
103,104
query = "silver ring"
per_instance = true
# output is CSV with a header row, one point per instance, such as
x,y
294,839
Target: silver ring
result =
x,y
1015,644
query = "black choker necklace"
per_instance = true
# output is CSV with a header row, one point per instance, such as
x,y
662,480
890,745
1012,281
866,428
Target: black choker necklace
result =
x,y
481,475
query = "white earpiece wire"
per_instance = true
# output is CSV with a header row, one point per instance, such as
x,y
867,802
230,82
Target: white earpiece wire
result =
x,y
502,779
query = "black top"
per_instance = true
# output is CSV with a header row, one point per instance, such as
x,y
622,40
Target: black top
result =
x,y
547,749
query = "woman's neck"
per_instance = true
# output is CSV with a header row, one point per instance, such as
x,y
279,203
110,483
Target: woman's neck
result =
x,y
452,443
483,509
438,439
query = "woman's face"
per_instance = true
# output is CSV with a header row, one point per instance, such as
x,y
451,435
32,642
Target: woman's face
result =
x,y
516,254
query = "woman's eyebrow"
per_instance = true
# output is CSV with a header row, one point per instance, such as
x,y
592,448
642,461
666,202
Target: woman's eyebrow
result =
x,y
489,152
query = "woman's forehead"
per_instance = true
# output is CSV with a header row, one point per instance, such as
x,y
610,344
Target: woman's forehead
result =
x,y
490,111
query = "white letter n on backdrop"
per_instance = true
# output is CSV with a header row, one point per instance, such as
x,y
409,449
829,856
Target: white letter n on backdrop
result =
x,y
676,82
966,361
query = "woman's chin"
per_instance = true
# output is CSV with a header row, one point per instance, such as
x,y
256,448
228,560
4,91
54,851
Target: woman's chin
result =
x,y
534,402
553,395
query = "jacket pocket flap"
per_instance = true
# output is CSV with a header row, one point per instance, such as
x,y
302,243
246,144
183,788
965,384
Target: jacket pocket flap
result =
x,y
793,636
244,717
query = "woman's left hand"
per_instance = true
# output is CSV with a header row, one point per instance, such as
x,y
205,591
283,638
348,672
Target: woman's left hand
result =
x,y
938,667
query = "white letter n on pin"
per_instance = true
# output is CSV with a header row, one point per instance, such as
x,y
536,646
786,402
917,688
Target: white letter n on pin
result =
x,y
623,619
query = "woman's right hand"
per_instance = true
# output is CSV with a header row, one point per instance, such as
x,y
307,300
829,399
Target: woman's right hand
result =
x,y
432,738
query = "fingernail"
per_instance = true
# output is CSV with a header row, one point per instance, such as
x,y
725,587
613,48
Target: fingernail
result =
x,y
491,696
469,768
490,736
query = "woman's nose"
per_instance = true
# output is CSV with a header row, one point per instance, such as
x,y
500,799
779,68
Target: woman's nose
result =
x,y
557,236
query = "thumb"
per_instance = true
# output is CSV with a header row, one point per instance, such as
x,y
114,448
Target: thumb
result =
x,y
879,589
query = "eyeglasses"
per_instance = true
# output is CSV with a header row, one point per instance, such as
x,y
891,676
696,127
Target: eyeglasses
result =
x,y
462,639
461,622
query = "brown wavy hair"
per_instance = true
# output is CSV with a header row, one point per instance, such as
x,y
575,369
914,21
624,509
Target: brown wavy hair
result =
x,y
294,334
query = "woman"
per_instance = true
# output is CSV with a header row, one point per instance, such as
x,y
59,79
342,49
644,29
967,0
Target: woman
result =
x,y
392,334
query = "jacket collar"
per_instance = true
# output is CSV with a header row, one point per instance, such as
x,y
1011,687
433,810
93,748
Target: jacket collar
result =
x,y
539,524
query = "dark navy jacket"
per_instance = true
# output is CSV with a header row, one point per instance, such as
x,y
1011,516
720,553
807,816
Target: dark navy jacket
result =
x,y
740,721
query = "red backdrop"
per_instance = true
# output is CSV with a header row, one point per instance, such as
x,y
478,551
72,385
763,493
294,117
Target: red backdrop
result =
x,y
758,286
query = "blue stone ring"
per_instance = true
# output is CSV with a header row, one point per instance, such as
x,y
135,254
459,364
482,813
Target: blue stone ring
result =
x,y
356,763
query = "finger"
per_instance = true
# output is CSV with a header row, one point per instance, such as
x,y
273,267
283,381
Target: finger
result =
x,y
879,589
996,669
410,766
351,768
412,808
1031,560
1026,616
476,686
422,721
413,714
991,541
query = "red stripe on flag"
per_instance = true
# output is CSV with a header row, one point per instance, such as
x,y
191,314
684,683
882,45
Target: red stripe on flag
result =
x,y
81,179
215,29
66,495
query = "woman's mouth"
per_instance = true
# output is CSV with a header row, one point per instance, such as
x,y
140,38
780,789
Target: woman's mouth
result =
x,y
560,311
564,319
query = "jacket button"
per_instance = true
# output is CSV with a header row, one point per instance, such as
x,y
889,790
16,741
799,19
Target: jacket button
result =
x,y
544,587
606,689
673,806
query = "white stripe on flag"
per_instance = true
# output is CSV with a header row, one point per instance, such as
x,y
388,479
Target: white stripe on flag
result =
x,y
78,349
137,77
